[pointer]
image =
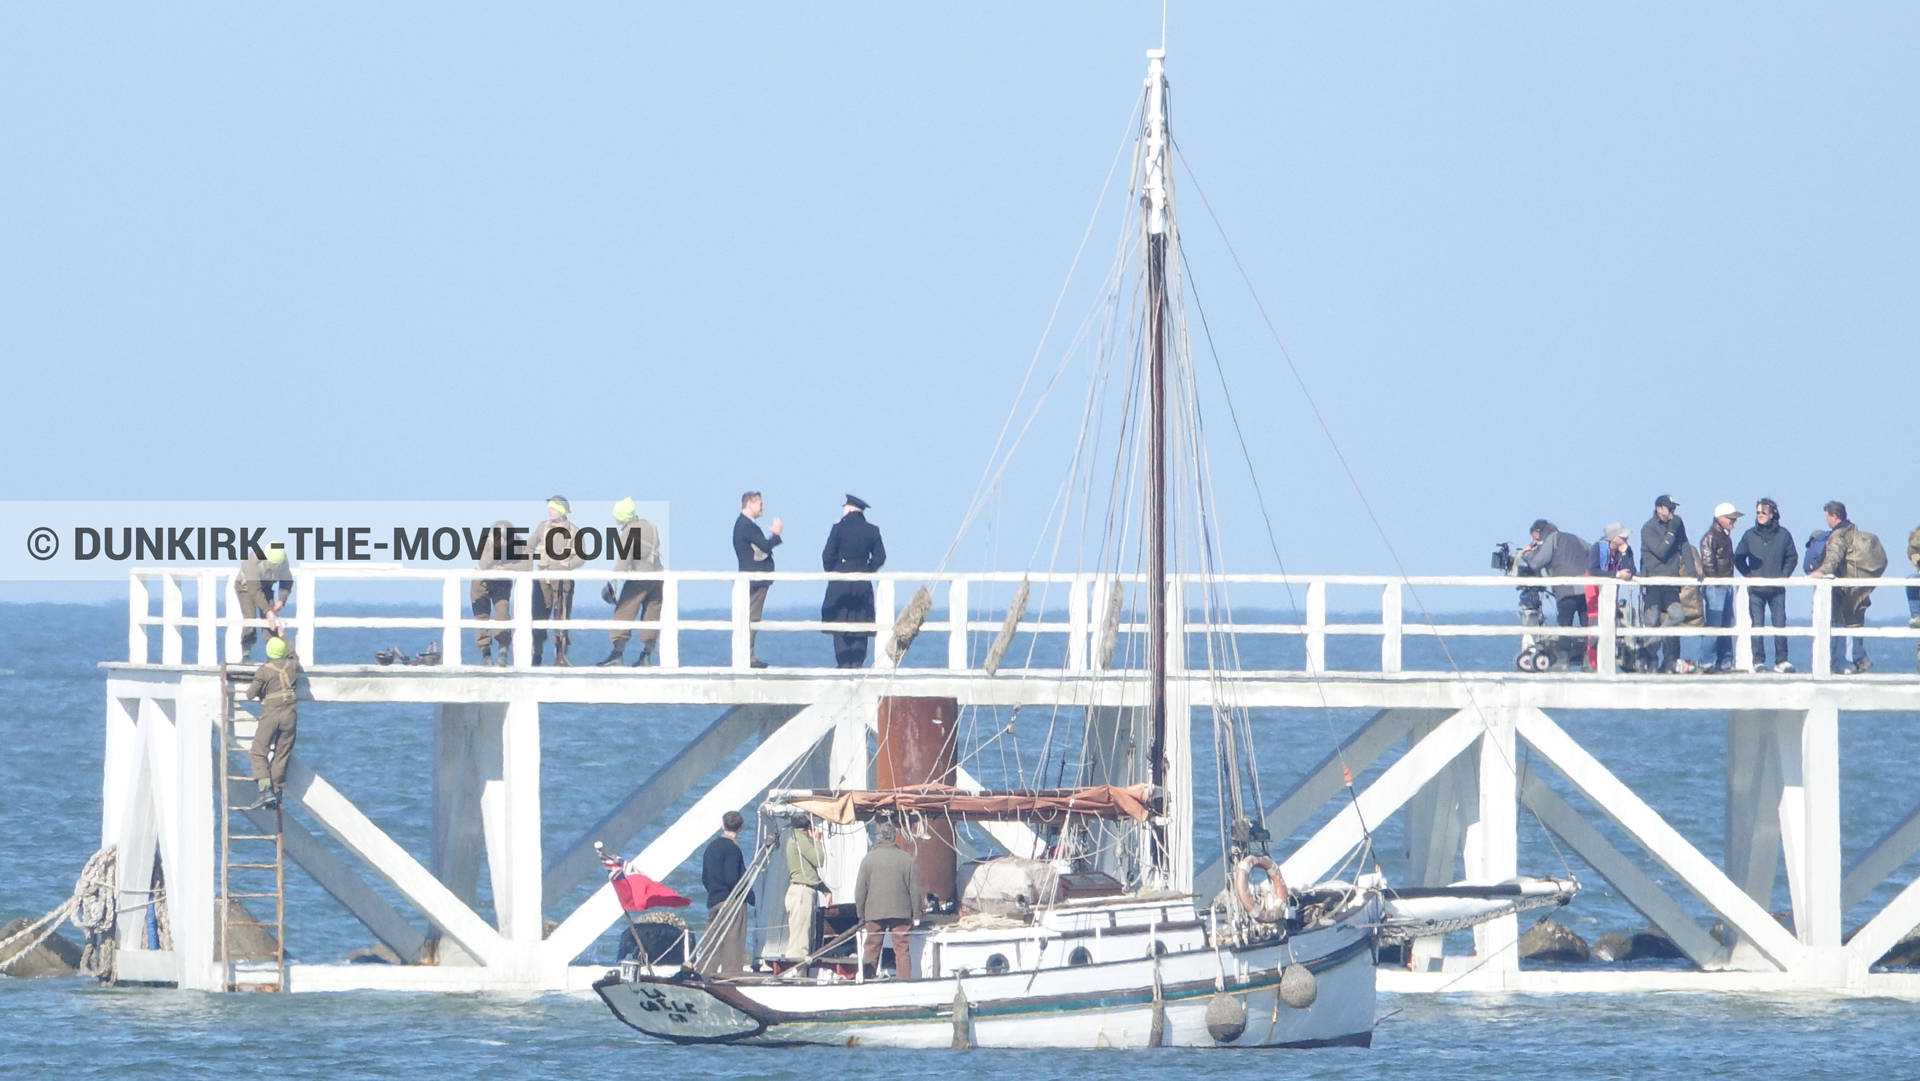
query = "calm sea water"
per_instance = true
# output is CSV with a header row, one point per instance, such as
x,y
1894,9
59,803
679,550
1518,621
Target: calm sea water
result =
x,y
50,713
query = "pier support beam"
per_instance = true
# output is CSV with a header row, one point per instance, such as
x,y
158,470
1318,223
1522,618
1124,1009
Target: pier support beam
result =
x,y
1491,849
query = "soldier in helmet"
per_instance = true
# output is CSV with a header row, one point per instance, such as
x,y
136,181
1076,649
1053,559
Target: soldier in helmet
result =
x,y
274,687
636,549
554,549
263,588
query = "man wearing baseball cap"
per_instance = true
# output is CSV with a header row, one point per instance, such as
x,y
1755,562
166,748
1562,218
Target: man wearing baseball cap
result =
x,y
1663,553
1716,561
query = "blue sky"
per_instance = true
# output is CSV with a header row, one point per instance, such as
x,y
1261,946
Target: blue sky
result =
x,y
1533,260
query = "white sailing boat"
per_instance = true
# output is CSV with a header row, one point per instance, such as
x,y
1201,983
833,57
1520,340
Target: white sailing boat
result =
x,y
1102,944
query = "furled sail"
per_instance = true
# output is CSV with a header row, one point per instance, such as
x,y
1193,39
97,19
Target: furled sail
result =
x,y
1044,805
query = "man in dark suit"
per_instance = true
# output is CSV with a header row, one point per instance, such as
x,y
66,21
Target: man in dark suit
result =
x,y
754,550
853,547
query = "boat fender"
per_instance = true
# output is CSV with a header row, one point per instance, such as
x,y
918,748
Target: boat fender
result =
x,y
1273,907
1298,988
962,1019
1226,1017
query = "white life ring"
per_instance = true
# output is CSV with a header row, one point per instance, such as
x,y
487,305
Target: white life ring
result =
x,y
1272,908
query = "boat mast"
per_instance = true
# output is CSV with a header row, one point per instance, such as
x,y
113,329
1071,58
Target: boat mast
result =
x,y
1154,201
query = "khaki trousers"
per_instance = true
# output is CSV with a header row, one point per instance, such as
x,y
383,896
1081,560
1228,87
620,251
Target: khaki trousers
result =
x,y
800,901
273,738
553,599
493,600
638,599
253,605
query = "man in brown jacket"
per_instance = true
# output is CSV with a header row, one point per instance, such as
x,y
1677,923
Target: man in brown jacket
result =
x,y
1847,557
887,896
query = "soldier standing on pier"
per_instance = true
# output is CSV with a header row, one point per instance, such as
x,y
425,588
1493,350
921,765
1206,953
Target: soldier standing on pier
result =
x,y
639,548
853,547
553,599
256,585
274,686
754,550
493,597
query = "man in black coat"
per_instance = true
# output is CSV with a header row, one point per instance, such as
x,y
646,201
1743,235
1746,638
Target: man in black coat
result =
x,y
853,547
754,550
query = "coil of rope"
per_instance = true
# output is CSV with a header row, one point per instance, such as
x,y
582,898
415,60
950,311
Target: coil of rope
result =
x,y
92,907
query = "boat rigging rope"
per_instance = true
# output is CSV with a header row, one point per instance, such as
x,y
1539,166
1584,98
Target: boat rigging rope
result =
x,y
91,907
1354,481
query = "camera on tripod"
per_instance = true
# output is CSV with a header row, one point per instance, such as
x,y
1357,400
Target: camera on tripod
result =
x,y
1503,557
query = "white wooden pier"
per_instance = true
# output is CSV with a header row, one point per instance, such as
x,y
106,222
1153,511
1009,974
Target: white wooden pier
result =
x,y
1461,783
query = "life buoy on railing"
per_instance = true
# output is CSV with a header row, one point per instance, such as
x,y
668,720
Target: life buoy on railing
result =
x,y
1273,907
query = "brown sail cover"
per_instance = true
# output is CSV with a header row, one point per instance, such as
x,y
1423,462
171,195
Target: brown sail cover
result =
x,y
1041,805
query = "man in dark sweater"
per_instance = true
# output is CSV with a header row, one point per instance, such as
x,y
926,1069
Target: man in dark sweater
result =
x,y
1767,551
754,551
721,868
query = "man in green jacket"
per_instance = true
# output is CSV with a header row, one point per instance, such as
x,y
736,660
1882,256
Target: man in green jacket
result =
x,y
804,886
888,898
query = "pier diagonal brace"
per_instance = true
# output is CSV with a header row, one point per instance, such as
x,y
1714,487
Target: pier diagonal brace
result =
x,y
1640,891
340,881
658,794
1324,781
339,817
755,773
1657,838
1422,762
1894,848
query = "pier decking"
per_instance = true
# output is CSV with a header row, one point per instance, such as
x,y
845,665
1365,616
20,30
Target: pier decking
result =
x,y
1460,784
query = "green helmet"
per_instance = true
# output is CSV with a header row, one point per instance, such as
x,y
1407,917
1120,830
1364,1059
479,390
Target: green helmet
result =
x,y
276,648
623,511
276,553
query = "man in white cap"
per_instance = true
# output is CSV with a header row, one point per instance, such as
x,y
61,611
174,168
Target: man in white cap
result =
x,y
1716,562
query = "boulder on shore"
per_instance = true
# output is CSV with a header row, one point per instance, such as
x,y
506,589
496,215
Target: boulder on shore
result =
x,y
247,938
1553,943
57,956
1649,945
1904,954
377,954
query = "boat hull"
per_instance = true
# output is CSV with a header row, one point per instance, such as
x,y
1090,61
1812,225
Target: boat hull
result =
x,y
1092,1006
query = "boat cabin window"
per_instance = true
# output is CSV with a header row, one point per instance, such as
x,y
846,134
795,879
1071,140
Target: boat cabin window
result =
x,y
1159,949
1080,956
997,964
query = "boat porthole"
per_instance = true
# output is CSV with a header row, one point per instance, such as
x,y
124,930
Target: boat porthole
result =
x,y
997,964
1080,956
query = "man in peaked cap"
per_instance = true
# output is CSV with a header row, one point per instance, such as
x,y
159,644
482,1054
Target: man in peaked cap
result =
x,y
853,547
1664,553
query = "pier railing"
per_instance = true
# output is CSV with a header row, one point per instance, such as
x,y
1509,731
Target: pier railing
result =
x,y
1065,604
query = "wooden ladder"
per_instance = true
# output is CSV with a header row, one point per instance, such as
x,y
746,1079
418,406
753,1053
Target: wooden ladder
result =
x,y
241,826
